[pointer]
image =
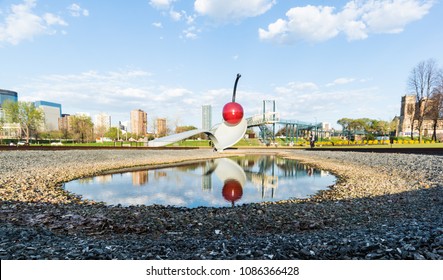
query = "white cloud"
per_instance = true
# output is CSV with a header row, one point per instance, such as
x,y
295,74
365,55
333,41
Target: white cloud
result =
x,y
176,16
190,33
161,4
157,24
176,92
296,87
303,101
340,81
77,11
116,92
52,19
119,92
227,10
22,23
357,20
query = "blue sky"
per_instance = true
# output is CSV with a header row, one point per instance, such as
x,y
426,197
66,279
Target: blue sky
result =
x,y
320,60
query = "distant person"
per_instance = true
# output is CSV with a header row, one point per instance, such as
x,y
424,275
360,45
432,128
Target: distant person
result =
x,y
312,141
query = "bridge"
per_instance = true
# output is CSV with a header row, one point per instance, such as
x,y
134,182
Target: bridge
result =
x,y
267,121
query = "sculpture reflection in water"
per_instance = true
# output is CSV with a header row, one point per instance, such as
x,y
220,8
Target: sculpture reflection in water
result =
x,y
233,178
260,171
213,183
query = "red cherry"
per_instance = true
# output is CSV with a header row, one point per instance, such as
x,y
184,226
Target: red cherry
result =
x,y
233,113
232,190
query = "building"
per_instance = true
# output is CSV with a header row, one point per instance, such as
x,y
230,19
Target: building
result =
x,y
407,118
102,123
64,123
7,95
206,117
8,130
140,178
161,127
52,111
326,126
139,122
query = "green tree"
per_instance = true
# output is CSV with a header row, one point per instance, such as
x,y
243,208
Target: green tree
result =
x,y
2,122
381,127
344,122
26,114
82,127
112,133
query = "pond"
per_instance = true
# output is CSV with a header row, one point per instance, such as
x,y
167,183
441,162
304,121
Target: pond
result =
x,y
213,183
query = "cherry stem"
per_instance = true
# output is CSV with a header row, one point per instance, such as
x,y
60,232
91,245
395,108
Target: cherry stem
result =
x,y
235,87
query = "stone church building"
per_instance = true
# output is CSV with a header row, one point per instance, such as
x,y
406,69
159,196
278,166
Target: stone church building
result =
x,y
408,103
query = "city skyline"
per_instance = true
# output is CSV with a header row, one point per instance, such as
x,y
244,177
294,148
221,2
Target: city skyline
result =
x,y
319,60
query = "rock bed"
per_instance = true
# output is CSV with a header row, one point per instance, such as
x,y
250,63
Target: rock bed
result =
x,y
384,206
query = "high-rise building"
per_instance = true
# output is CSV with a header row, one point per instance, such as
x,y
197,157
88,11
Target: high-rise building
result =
x,y
63,123
326,126
7,95
102,121
9,130
52,111
161,127
206,117
139,122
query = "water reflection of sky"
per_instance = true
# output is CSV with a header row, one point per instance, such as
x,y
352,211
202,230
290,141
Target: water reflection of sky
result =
x,y
216,183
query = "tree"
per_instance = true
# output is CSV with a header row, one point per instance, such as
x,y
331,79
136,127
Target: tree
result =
x,y
381,127
436,108
26,114
393,125
113,133
344,122
2,123
82,127
101,130
422,80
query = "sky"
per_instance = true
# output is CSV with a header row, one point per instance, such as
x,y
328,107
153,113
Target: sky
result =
x,y
319,60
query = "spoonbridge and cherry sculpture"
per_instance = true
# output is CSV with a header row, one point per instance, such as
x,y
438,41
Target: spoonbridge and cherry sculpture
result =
x,y
223,135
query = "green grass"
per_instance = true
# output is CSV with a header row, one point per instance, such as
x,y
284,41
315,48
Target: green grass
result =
x,y
436,145
93,144
253,142
191,143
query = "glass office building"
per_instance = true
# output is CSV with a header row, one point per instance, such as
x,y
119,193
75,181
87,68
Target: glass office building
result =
x,y
9,130
206,117
7,95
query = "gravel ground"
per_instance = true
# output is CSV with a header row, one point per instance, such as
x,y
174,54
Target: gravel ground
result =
x,y
384,206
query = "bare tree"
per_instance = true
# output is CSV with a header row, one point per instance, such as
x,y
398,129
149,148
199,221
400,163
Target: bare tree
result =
x,y
101,130
436,108
422,80
154,126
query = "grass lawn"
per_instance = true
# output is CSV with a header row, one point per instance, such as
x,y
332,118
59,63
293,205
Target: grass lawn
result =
x,y
253,142
436,145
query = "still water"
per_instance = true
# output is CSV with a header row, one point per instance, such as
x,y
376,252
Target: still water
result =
x,y
216,183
